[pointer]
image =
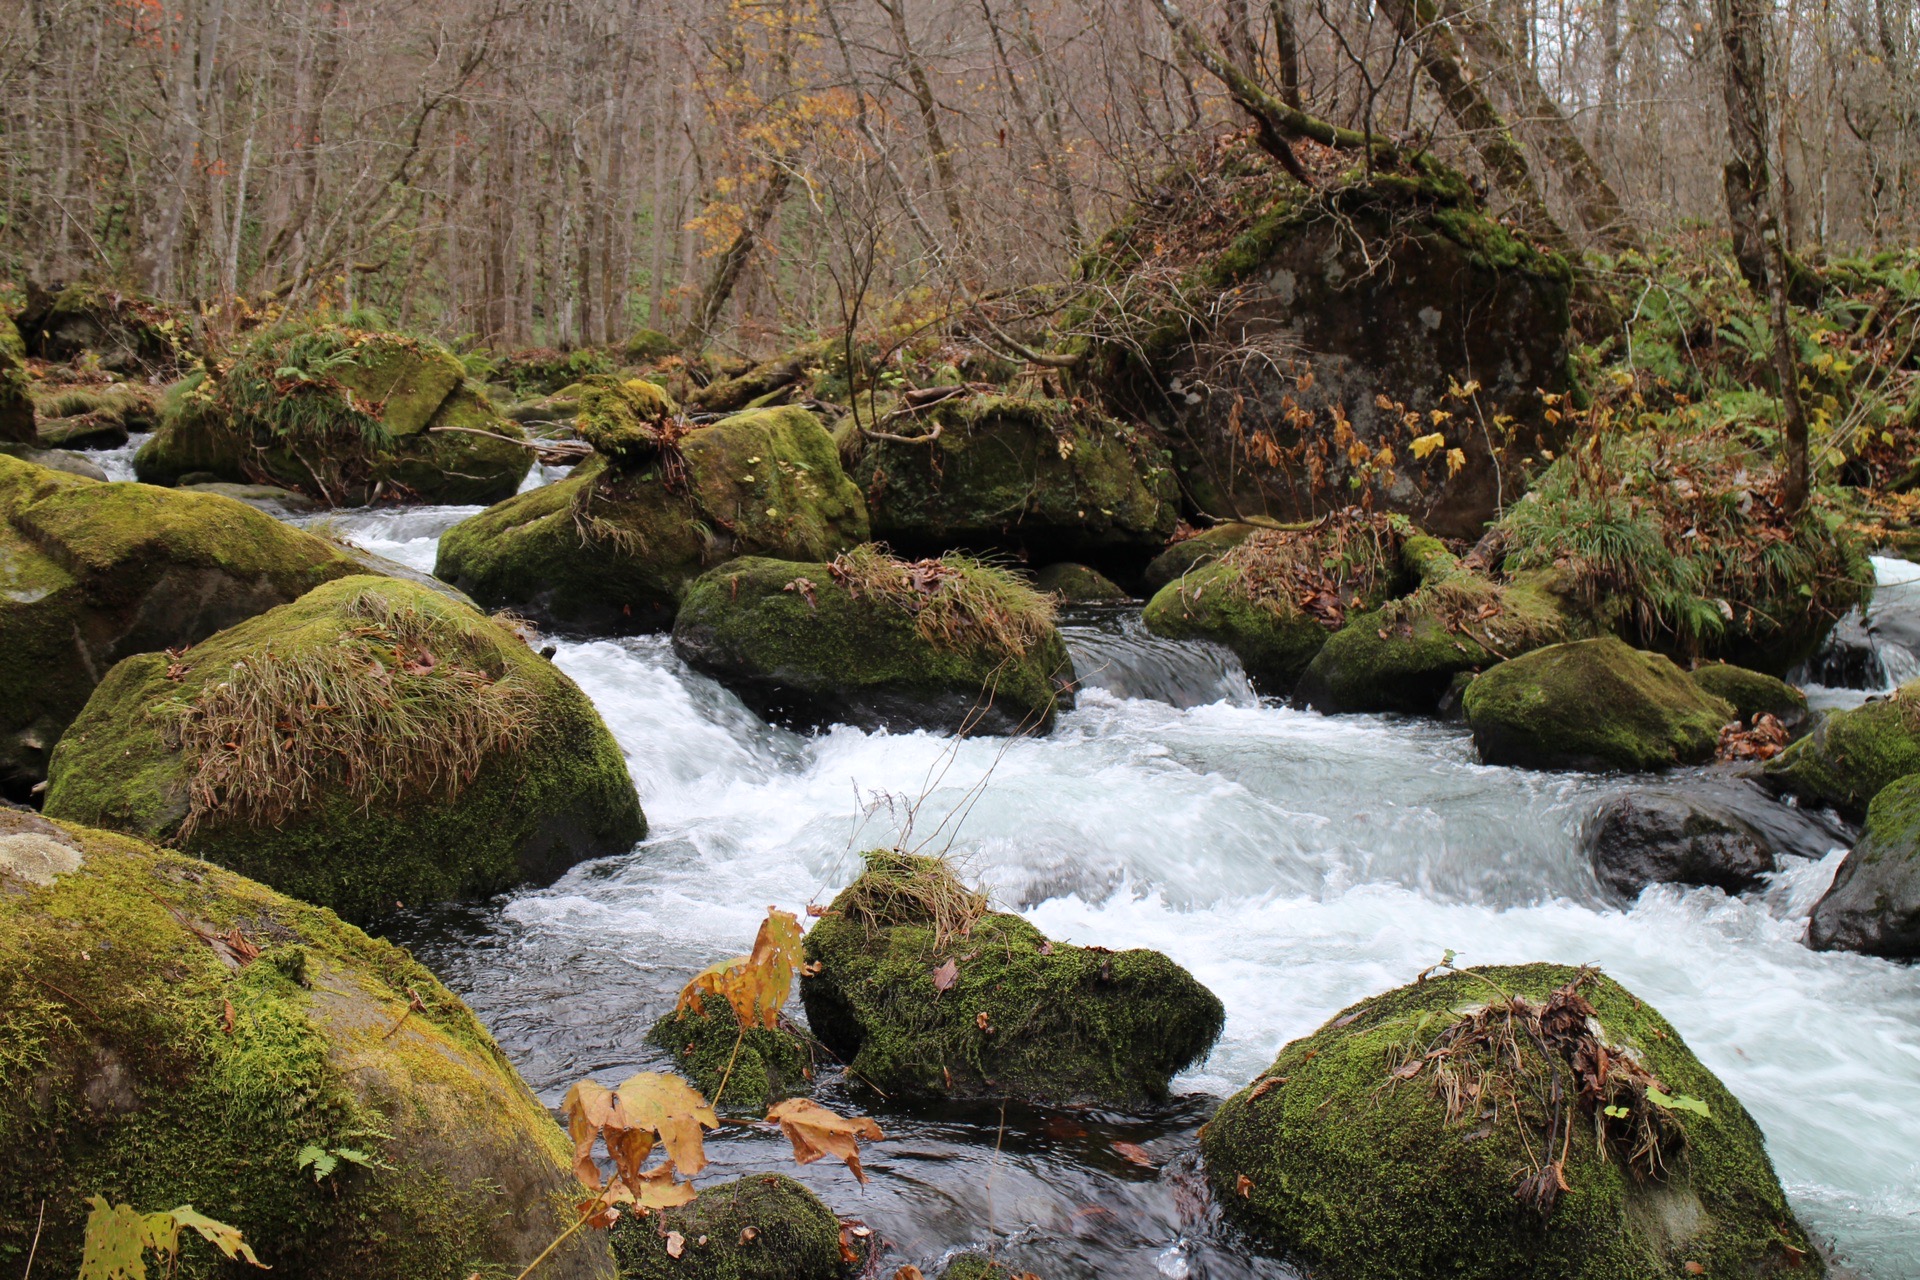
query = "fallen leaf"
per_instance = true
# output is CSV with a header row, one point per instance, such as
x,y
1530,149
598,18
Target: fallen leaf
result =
x,y
1243,1186
945,976
749,1234
754,985
816,1132
908,1272
676,1244
848,1253
645,1109
1264,1086
1046,948
1134,1152
226,1017
1695,1269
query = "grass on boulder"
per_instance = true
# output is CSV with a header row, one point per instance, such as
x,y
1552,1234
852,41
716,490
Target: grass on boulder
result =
x,y
956,601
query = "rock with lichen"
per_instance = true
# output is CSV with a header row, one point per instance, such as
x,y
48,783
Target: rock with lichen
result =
x,y
1530,1120
924,992
1851,755
177,1034
127,332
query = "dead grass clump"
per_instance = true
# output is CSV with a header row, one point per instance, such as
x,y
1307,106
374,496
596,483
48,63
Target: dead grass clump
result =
x,y
1483,610
898,888
401,706
1326,569
955,601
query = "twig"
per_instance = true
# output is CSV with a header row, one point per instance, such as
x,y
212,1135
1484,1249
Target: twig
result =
x,y
34,1248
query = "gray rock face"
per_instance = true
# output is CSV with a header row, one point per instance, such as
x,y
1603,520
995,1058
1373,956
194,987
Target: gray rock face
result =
x,y
1723,832
1873,905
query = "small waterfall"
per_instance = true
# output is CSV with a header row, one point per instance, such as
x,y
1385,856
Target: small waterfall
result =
x,y
1113,651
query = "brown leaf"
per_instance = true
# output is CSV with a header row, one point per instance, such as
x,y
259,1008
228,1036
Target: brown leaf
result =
x,y
1695,1269
816,1132
749,1234
646,1108
1134,1152
980,1021
1243,1186
1411,1070
676,1244
1046,948
226,1017
908,1272
1264,1086
755,985
848,1254
945,976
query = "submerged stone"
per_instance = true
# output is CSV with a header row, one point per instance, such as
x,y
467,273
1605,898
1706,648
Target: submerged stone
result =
x,y
1419,1134
925,993
372,744
176,1034
1873,905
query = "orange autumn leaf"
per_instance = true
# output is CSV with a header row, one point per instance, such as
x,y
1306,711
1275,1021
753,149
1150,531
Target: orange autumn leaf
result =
x,y
755,985
645,1110
816,1132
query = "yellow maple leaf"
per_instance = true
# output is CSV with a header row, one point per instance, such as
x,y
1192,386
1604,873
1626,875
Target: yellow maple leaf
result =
x,y
1423,446
645,1109
754,985
1456,459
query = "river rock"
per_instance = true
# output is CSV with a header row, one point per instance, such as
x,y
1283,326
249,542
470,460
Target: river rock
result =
x,y
281,504
1592,704
614,546
1851,755
92,572
758,1065
130,333
926,993
369,415
1753,694
1343,1154
181,1035
1728,837
1873,904
16,389
764,1226
877,642
1046,477
1250,598
1188,554
1078,584
441,758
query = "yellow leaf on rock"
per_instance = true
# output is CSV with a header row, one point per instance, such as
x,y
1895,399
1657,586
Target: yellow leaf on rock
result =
x,y
755,986
1423,446
816,1132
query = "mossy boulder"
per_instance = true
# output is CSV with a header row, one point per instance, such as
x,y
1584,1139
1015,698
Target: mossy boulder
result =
x,y
876,642
764,1226
976,1266
623,419
1078,584
1189,554
1251,598
926,993
1046,477
372,744
16,389
94,417
176,1034
91,573
1752,693
345,415
130,333
1345,1154
1873,904
760,1066
1593,704
612,548
1850,756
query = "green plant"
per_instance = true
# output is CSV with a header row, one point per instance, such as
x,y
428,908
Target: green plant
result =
x,y
119,1237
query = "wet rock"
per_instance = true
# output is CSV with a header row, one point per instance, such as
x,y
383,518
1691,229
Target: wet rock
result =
x,y
1711,829
267,499
1851,755
64,460
1343,1155
1078,584
763,1227
93,572
437,757
94,417
1042,476
207,1030
1592,704
924,992
1873,905
872,641
1192,553
613,547
759,1066
1753,694
16,390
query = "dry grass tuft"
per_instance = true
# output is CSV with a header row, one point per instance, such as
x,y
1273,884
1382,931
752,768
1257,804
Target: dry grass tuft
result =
x,y
955,601
900,888
1334,565
401,706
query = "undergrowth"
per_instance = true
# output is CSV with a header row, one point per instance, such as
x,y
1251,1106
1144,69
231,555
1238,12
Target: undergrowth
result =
x,y
1324,569
956,600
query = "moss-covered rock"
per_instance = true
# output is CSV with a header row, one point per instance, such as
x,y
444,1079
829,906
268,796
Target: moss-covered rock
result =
x,y
1752,693
1593,704
94,417
1043,476
1078,584
16,390
130,334
342,414
759,1066
92,572
765,1226
625,420
152,1055
1346,1156
372,744
924,992
1189,554
1850,756
62,460
873,641
975,1266
1873,904
612,548
1251,598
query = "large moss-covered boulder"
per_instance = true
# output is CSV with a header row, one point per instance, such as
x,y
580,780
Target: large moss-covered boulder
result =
x,y
1043,476
1496,1123
1286,337
370,745
1753,694
1873,904
1276,596
16,390
757,1065
1593,704
1079,584
345,415
869,640
1852,755
614,546
764,1226
130,333
91,573
926,993
176,1034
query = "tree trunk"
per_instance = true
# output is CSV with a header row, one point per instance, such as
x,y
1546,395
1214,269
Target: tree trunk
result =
x,y
1286,51
733,262
940,156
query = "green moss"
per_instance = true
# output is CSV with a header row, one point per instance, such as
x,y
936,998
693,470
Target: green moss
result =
x,y
91,572
1024,1017
1078,584
141,1063
975,1266
129,332
1010,471
763,1227
1357,1174
1873,905
1275,646
822,654
16,389
522,815
1593,704
1188,554
612,549
621,419
1752,693
1850,755
648,344
760,1067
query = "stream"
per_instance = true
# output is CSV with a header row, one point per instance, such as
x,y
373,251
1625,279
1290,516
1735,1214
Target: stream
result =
x,y
1293,862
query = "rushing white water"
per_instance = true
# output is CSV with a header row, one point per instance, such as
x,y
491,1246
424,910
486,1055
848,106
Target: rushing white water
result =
x,y
118,462
1294,862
